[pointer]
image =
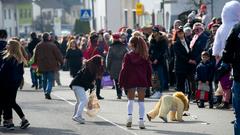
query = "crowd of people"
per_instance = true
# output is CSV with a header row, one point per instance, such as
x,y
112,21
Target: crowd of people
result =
x,y
188,58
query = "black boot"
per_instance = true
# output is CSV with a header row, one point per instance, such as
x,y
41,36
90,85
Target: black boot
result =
x,y
219,100
201,104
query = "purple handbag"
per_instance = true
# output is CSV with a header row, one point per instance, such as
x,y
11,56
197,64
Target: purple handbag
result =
x,y
107,81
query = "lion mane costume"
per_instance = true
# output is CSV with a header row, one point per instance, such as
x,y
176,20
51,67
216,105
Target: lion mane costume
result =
x,y
175,104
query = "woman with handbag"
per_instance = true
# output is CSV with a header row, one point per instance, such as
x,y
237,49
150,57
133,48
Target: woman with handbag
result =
x,y
83,81
135,75
115,56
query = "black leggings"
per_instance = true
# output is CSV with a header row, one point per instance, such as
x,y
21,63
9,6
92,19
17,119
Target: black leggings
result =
x,y
10,103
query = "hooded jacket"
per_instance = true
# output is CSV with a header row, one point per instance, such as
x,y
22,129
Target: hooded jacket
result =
x,y
136,72
230,16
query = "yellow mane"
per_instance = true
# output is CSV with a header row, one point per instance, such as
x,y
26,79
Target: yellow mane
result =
x,y
184,99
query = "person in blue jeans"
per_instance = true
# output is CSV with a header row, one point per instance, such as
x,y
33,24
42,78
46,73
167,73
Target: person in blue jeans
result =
x,y
48,58
231,55
157,55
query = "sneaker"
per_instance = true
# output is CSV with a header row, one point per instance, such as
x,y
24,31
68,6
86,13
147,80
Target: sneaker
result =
x,y
156,95
129,122
10,126
24,124
141,124
79,120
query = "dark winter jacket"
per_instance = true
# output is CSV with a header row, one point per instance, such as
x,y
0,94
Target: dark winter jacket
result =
x,y
231,53
2,48
158,50
115,57
204,72
83,79
74,59
11,73
182,57
136,72
198,47
32,45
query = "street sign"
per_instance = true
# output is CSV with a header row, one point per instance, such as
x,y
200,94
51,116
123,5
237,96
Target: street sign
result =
x,y
139,8
85,14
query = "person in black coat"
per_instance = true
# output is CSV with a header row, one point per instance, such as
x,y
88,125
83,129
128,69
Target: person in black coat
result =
x,y
12,71
3,43
197,46
74,58
231,55
31,46
182,60
83,81
157,54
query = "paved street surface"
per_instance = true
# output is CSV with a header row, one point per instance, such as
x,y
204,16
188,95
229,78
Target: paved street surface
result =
x,y
53,117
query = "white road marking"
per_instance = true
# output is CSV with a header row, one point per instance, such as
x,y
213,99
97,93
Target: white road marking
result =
x,y
101,117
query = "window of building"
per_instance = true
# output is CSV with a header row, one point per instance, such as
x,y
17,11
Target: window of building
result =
x,y
9,14
16,30
15,14
25,13
55,13
21,13
134,18
126,17
30,13
74,13
25,29
5,14
49,15
10,32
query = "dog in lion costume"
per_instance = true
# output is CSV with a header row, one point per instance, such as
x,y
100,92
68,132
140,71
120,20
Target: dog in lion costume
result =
x,y
175,104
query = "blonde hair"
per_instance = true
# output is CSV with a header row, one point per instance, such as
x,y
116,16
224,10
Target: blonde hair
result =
x,y
14,50
183,98
70,43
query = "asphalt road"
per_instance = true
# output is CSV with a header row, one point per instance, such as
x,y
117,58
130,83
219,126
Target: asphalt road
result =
x,y
53,117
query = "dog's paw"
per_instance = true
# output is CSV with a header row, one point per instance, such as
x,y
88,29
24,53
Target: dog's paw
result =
x,y
174,119
181,120
164,119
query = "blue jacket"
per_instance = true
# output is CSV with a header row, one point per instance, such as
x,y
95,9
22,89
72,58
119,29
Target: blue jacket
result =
x,y
204,71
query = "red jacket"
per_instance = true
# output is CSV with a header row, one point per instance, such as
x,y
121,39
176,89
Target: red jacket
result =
x,y
136,72
96,49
